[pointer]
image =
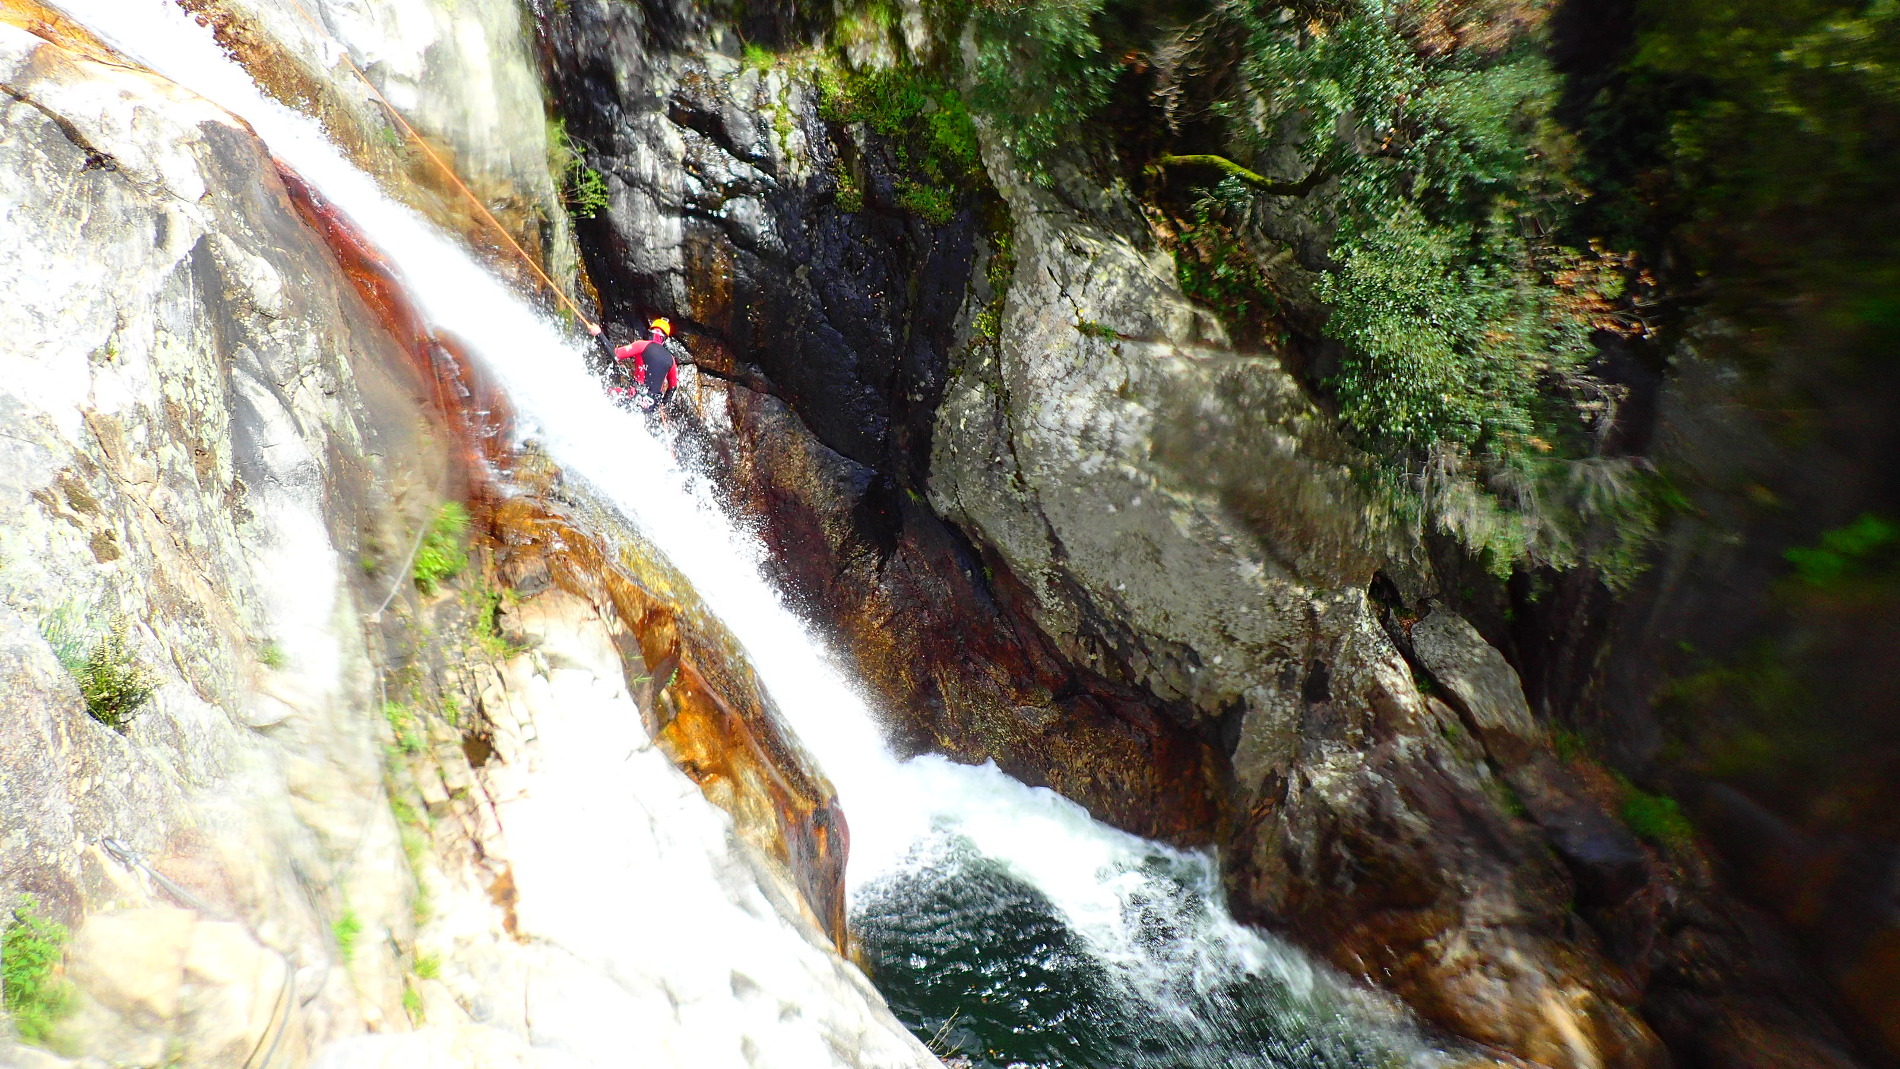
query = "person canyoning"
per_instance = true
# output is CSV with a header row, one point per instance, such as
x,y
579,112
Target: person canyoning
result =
x,y
656,372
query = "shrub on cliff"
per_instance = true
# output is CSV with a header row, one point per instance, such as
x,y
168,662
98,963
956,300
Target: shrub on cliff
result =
x,y
441,556
30,951
1040,73
112,680
1440,181
924,121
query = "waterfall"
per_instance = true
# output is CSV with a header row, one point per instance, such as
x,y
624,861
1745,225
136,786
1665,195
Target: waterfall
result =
x,y
1000,918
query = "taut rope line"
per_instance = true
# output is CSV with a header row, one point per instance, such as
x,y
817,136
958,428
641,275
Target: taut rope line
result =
x,y
344,51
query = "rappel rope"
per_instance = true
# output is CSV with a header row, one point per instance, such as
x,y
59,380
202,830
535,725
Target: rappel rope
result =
x,y
344,52
286,1001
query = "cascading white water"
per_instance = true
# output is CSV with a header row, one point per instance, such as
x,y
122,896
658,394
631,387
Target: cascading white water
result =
x,y
1145,921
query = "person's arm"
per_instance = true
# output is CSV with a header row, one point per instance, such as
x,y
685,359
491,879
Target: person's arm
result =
x,y
672,380
640,365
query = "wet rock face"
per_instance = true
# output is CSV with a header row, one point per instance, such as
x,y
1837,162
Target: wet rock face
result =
x,y
724,216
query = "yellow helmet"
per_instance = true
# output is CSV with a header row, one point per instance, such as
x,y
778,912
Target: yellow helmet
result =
x,y
664,326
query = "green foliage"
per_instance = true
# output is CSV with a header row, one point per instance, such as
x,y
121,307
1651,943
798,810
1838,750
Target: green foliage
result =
x,y
345,931
1569,745
30,952
987,325
1040,74
1094,329
428,967
1656,818
1845,553
412,1002
1451,314
272,657
1466,322
112,680
933,203
441,555
850,193
923,119
582,187
757,57
403,725
1215,268
423,907
487,603
1445,347
1506,797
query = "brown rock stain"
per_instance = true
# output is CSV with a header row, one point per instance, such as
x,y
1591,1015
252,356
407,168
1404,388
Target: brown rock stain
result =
x,y
698,697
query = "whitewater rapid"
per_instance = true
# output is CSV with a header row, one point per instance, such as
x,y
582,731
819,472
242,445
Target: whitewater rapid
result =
x,y
905,817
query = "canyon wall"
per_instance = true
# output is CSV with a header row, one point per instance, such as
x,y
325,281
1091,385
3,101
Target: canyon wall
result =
x,y
1060,519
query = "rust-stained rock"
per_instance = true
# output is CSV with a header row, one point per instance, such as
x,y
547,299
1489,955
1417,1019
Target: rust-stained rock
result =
x,y
701,700
935,627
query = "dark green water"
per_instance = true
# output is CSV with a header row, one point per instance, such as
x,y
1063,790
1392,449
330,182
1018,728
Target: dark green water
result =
x,y
981,965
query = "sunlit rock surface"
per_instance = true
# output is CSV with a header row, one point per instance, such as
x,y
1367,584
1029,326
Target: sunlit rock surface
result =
x,y
464,77
189,450
208,437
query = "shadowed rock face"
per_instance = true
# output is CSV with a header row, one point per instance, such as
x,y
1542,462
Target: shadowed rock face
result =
x,y
1125,560
849,320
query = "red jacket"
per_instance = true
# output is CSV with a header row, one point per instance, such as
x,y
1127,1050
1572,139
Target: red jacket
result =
x,y
637,352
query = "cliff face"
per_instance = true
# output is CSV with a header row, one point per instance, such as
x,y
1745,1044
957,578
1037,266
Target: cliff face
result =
x,y
288,790
1060,520
192,457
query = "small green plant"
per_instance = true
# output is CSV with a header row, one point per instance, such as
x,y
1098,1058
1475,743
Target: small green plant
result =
x,y
30,952
412,1002
272,657
112,680
1095,329
1506,797
987,325
428,967
1655,818
346,930
850,195
925,122
584,189
757,57
441,556
1844,552
1569,745
402,724
423,906
1215,268
934,204
488,636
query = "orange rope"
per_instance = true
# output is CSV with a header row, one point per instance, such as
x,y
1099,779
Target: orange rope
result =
x,y
343,50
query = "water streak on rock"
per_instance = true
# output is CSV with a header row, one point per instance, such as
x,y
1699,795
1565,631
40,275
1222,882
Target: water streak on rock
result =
x,y
698,697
